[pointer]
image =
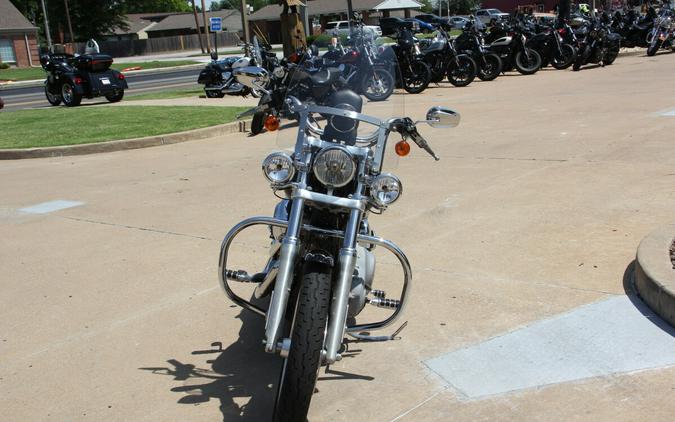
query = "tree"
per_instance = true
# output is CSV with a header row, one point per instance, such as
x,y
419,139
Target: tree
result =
x,y
426,6
144,6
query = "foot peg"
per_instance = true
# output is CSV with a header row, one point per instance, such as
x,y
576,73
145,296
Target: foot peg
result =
x,y
244,277
385,303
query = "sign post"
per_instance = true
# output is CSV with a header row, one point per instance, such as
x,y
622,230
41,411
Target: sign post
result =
x,y
216,25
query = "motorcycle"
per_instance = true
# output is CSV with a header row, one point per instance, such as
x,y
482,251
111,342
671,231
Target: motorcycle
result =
x,y
443,59
551,47
600,46
509,43
217,76
412,73
321,269
634,30
470,42
71,78
661,35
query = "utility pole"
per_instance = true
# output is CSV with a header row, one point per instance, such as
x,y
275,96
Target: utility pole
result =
x,y
199,29
49,37
564,10
206,30
244,21
70,25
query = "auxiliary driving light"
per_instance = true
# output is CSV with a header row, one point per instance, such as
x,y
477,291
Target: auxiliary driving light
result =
x,y
385,189
278,167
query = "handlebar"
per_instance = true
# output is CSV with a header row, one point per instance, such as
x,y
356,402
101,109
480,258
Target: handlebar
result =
x,y
407,128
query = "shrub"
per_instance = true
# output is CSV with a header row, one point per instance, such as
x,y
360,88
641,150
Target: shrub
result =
x,y
4,65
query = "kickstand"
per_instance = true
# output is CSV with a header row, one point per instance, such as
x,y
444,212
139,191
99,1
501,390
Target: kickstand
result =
x,y
368,337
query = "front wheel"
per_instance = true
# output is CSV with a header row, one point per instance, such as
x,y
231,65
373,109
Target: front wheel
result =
x,y
490,67
581,58
378,85
461,71
68,95
257,123
654,47
301,367
417,78
53,99
115,97
564,58
527,64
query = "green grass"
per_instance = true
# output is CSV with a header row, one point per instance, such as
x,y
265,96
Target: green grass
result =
x,y
31,73
166,95
71,126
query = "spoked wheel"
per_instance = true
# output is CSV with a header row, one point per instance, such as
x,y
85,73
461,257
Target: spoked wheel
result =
x,y
564,58
301,367
115,97
417,78
53,99
581,57
529,63
68,95
378,85
489,67
654,47
462,71
257,123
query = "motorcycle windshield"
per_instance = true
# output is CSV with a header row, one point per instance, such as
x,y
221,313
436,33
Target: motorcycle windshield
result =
x,y
358,73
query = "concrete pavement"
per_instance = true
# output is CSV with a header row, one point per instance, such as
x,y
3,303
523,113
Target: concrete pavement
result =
x,y
111,308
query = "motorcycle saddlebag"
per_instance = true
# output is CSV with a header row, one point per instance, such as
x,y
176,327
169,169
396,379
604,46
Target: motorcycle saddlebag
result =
x,y
94,62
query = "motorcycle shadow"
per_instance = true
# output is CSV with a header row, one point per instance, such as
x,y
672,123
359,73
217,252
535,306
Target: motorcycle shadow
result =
x,y
242,376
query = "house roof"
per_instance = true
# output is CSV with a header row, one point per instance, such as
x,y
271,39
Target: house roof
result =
x,y
12,19
315,7
397,4
187,20
135,24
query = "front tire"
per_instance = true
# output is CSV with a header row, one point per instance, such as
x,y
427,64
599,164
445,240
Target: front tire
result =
x,y
653,48
527,64
378,86
418,79
301,367
258,123
462,72
490,67
563,59
68,95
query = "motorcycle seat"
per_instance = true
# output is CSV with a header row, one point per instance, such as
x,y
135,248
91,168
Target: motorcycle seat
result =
x,y
326,76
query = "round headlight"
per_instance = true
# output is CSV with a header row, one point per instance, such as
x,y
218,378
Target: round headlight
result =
x,y
278,167
334,167
385,189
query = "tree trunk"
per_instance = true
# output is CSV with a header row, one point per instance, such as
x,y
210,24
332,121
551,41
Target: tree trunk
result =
x,y
206,28
199,30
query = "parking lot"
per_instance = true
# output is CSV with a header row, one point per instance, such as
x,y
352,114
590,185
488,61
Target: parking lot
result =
x,y
520,239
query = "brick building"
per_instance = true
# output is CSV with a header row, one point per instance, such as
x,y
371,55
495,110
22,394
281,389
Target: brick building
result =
x,y
509,6
18,37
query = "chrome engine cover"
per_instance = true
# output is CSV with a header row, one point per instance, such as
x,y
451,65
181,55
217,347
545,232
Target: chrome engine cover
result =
x,y
362,281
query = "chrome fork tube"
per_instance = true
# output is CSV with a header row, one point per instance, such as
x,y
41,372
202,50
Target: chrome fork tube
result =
x,y
339,301
282,287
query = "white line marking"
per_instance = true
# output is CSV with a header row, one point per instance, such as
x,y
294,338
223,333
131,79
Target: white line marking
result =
x,y
668,113
51,206
600,339
422,403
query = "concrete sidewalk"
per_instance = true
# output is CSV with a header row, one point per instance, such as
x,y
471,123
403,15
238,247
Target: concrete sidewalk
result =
x,y
111,308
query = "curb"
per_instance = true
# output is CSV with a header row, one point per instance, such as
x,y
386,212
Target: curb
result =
x,y
654,273
39,82
125,144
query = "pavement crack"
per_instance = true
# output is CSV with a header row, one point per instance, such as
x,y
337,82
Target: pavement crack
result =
x,y
147,229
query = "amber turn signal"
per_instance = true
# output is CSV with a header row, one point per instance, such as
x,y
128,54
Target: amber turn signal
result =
x,y
271,123
402,148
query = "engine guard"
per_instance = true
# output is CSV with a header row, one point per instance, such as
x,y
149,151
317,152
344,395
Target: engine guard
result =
x,y
364,240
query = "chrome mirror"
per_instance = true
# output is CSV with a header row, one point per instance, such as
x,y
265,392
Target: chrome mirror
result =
x,y
253,77
441,117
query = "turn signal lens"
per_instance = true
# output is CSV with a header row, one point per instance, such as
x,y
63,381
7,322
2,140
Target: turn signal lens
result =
x,y
271,123
402,148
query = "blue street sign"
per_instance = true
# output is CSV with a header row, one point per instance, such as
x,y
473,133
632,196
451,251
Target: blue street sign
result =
x,y
216,24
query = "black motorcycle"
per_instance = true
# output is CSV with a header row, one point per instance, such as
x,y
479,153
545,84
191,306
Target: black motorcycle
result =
x,y
600,45
470,42
509,43
443,60
412,73
633,29
548,42
71,78
661,35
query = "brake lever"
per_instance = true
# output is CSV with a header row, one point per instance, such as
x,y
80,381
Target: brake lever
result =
x,y
411,130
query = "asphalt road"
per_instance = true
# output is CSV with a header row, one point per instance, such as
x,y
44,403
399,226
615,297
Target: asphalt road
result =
x,y
519,238
21,97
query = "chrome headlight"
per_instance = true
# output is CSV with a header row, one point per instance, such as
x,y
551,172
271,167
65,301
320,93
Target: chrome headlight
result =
x,y
334,167
278,167
385,189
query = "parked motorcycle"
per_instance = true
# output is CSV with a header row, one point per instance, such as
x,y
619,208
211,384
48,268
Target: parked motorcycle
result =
x,y
633,29
553,50
412,73
600,46
71,78
470,42
320,274
509,43
661,35
217,76
443,59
